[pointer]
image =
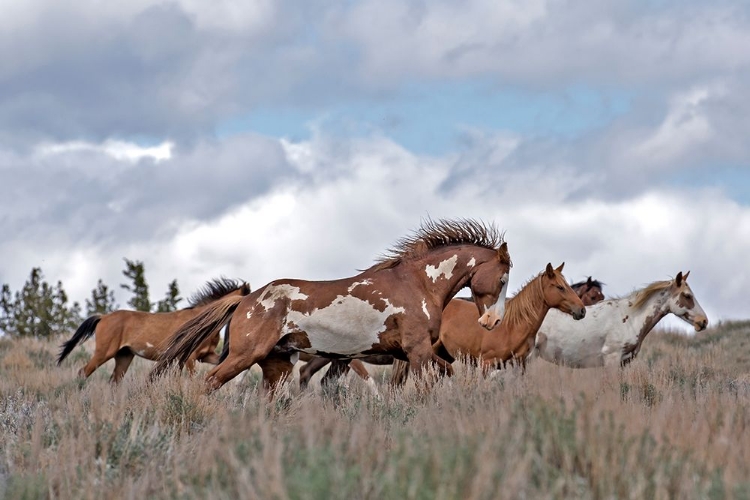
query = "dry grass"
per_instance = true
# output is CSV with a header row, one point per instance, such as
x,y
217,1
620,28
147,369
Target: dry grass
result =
x,y
674,424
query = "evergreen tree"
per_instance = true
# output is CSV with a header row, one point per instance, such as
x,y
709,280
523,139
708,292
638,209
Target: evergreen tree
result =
x,y
6,310
169,303
102,300
39,309
135,272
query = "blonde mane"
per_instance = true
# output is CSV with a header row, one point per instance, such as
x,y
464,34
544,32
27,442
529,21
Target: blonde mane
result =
x,y
642,296
441,233
523,308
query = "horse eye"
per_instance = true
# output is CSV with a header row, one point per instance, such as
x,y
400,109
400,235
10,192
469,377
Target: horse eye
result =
x,y
560,288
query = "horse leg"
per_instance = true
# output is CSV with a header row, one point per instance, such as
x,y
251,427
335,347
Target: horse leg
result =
x,y
123,358
359,368
338,369
311,368
244,352
399,373
211,358
276,371
103,352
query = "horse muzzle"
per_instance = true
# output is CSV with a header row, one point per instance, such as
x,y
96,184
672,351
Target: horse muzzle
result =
x,y
489,319
579,314
700,324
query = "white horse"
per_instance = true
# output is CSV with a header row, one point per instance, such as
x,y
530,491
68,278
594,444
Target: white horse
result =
x,y
613,330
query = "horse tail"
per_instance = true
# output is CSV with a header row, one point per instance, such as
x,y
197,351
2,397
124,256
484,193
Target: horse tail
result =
x,y
84,332
400,372
190,335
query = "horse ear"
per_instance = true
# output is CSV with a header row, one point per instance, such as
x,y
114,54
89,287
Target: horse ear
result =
x,y
502,251
589,281
686,275
549,271
678,279
560,268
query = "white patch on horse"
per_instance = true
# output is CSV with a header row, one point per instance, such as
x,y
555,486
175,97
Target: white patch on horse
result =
x,y
357,283
249,314
149,344
424,309
445,268
472,262
347,326
272,293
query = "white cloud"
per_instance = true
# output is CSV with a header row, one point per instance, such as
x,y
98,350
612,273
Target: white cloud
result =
x,y
118,150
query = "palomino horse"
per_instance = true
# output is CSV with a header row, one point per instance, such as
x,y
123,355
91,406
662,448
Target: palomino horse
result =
x,y
513,339
124,334
614,330
590,291
394,307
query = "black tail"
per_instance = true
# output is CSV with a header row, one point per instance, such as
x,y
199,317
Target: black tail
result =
x,y
84,332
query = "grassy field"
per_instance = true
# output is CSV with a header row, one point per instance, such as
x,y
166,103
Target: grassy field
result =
x,y
674,424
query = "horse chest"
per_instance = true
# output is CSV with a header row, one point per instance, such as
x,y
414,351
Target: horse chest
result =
x,y
349,325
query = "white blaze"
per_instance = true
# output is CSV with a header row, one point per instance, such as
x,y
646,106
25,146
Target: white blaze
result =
x,y
347,326
424,308
445,268
272,293
472,262
499,306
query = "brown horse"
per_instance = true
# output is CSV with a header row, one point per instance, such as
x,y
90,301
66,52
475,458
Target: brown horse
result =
x,y
124,334
590,291
394,307
513,339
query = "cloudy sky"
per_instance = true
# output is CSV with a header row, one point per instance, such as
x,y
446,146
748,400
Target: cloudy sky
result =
x,y
269,139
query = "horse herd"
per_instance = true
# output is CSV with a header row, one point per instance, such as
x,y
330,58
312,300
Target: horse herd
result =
x,y
401,310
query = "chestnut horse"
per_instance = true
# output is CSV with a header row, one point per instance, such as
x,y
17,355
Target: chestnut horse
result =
x,y
614,330
124,334
394,307
590,291
513,339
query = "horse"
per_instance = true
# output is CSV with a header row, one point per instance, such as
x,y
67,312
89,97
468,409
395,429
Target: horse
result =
x,y
394,307
124,334
614,330
590,291
513,339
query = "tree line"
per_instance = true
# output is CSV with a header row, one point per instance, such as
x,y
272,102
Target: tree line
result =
x,y
40,309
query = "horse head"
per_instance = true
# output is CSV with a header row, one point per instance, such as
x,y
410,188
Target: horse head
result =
x,y
489,287
683,304
590,291
559,295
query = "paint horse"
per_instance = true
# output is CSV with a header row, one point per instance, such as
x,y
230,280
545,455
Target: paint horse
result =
x,y
394,307
590,291
124,334
614,330
513,339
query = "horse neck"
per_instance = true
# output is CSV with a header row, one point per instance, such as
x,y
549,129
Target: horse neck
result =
x,y
648,314
446,270
525,312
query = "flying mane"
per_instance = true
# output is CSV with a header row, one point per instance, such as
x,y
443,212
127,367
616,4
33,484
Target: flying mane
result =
x,y
594,283
642,296
440,233
213,290
521,308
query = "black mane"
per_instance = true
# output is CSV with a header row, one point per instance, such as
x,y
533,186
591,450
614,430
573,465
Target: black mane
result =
x,y
215,289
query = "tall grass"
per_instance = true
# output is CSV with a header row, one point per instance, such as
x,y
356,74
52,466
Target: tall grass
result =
x,y
673,424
